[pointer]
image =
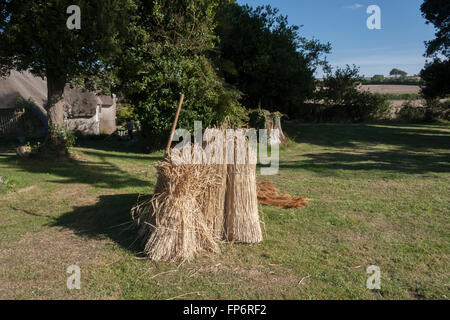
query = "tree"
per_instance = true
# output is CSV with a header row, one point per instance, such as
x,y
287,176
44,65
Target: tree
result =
x,y
265,57
437,13
34,36
398,72
436,75
339,91
167,54
436,72
378,77
339,85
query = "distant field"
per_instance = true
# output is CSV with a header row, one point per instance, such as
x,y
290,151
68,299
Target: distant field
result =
x,y
390,88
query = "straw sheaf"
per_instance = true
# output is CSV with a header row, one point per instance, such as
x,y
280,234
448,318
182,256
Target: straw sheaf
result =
x,y
214,196
241,206
172,223
195,206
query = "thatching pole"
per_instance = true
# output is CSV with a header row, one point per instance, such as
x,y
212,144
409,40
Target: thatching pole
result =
x,y
174,126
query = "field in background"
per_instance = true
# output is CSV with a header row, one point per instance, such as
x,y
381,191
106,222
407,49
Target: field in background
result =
x,y
386,88
397,94
380,195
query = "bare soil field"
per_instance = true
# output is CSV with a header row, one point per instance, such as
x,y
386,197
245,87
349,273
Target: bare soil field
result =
x,y
390,88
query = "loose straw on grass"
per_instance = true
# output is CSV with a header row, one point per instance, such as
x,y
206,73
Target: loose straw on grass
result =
x,y
269,195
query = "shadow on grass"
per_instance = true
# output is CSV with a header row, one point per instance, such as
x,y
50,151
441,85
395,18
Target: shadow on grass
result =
x,y
409,136
404,148
109,218
101,174
103,155
114,145
388,161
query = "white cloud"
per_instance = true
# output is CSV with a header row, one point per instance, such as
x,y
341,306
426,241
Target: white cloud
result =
x,y
354,6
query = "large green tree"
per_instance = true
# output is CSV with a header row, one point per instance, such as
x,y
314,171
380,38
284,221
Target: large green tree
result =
x,y
436,73
34,36
265,57
436,76
167,54
437,13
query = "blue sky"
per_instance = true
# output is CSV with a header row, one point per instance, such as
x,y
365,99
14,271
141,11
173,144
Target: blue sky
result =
x,y
399,43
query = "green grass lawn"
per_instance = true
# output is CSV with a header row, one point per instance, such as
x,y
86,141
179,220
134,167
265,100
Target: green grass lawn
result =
x,y
380,195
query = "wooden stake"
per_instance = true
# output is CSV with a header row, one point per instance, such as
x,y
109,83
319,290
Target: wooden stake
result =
x,y
174,126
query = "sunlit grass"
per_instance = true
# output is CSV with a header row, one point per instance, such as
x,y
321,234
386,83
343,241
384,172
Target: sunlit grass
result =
x,y
379,196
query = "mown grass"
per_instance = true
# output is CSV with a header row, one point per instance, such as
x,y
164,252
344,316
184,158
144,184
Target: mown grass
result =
x,y
379,196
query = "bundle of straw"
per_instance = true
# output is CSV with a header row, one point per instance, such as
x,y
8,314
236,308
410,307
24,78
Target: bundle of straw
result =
x,y
196,205
185,215
214,197
172,223
241,204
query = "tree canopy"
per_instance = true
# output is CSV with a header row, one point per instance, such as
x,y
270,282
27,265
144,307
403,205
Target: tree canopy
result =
x,y
436,75
339,91
221,55
378,77
34,36
166,54
398,72
265,57
437,13
436,72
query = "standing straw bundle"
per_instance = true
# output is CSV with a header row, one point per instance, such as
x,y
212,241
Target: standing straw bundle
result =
x,y
172,223
241,204
198,203
214,197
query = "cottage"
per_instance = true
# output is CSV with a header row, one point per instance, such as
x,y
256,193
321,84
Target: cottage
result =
x,y
17,118
89,113
22,108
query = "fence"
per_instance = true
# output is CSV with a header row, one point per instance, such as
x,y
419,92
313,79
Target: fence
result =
x,y
19,122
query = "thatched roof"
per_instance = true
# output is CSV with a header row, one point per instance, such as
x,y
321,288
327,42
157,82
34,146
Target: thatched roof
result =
x,y
80,102
106,100
22,84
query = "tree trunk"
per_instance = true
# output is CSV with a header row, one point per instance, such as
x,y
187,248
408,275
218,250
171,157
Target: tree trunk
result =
x,y
55,96
55,113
